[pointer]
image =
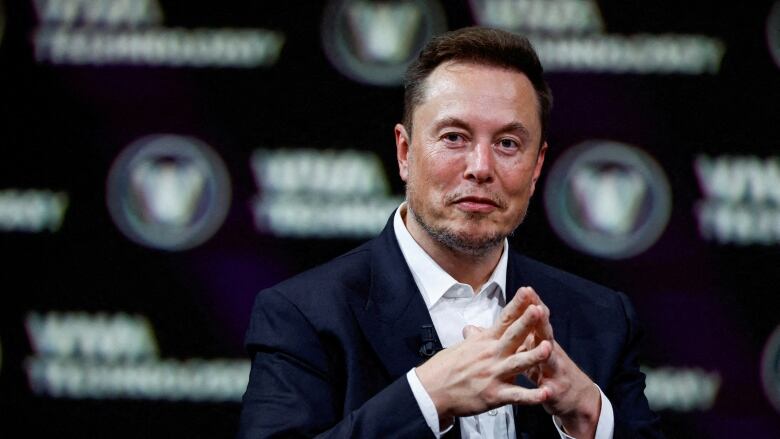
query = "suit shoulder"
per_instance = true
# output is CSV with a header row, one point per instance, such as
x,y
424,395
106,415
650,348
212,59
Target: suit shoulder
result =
x,y
349,271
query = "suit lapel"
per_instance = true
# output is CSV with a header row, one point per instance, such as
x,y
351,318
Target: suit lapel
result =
x,y
393,312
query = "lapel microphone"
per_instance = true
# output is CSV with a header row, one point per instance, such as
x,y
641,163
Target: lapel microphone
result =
x,y
429,342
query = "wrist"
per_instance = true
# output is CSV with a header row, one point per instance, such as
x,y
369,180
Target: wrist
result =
x,y
428,378
582,421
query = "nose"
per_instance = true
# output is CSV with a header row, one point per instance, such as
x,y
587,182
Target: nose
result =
x,y
479,163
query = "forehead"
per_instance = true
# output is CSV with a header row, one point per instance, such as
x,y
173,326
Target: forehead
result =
x,y
479,91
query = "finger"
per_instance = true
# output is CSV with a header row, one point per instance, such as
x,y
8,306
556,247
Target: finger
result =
x,y
512,311
513,394
556,362
471,331
519,330
544,331
534,374
533,295
529,343
544,328
522,361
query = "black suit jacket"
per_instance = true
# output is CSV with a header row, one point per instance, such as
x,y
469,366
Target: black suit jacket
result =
x,y
330,349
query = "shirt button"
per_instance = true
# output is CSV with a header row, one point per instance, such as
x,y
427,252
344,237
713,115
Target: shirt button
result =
x,y
493,412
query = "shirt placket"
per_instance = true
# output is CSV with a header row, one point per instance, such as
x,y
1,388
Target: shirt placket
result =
x,y
478,312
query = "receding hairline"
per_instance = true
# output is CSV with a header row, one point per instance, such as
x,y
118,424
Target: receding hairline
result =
x,y
420,98
482,46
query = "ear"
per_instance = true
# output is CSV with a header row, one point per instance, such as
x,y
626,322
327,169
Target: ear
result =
x,y
538,166
402,144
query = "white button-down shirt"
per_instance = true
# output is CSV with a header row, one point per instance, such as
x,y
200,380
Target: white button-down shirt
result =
x,y
453,305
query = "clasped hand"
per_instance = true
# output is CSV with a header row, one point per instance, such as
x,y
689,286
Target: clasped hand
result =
x,y
479,373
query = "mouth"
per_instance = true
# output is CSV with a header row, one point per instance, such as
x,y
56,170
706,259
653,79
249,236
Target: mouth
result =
x,y
475,204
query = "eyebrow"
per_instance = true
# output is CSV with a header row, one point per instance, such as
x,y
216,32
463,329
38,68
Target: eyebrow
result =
x,y
460,123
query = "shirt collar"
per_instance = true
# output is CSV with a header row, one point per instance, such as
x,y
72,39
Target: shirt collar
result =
x,y
432,280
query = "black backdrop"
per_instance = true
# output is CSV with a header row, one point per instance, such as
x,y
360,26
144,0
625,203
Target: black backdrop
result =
x,y
707,299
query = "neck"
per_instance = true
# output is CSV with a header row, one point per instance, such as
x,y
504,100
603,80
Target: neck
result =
x,y
466,268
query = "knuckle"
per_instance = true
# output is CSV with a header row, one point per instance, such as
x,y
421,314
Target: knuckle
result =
x,y
530,313
517,362
491,350
506,318
489,396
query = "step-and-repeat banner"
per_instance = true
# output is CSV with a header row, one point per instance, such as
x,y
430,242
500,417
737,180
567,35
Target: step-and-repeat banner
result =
x,y
164,161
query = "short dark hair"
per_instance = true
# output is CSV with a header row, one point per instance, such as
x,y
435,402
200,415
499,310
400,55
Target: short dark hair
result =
x,y
479,45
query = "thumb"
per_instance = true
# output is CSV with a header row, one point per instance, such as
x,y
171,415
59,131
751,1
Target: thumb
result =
x,y
471,331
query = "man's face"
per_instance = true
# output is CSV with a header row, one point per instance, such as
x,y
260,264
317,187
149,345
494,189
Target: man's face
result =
x,y
474,156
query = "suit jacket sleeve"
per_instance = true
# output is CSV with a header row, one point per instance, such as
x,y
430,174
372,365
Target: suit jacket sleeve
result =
x,y
291,391
633,417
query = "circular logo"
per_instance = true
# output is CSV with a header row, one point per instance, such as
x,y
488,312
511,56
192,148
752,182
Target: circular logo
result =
x,y
168,192
607,199
373,42
773,33
770,369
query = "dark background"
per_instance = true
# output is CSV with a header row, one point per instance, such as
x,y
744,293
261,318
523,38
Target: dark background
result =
x,y
704,305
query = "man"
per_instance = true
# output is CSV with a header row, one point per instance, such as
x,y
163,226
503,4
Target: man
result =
x,y
342,350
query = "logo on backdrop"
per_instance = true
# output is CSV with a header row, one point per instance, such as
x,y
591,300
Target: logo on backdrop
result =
x,y
310,193
681,389
770,369
374,42
773,33
740,202
607,199
570,35
32,210
131,32
81,355
168,192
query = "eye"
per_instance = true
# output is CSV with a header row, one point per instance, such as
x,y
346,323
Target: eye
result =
x,y
508,144
454,138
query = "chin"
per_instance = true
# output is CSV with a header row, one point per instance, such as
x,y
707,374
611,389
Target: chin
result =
x,y
479,228
472,234
475,245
